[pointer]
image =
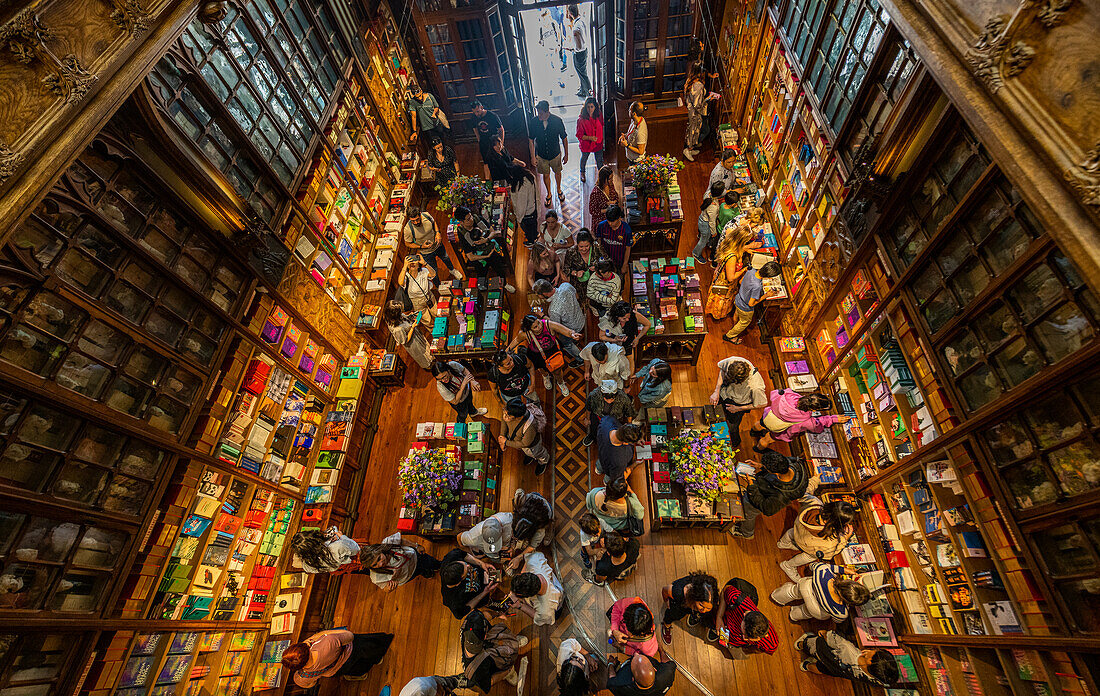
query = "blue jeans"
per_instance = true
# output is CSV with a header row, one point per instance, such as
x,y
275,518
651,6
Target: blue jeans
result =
x,y
598,154
439,253
704,237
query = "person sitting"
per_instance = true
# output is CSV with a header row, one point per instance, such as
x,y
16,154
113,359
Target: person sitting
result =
x,y
656,384
615,505
624,325
537,592
605,287
564,307
790,414
464,582
521,428
695,596
489,654
819,528
603,361
632,629
831,654
392,564
615,444
619,559
743,626
641,676
482,246
608,400
323,552
533,519
591,538
579,672
740,389
825,594
782,481
488,537
335,653
456,384
511,376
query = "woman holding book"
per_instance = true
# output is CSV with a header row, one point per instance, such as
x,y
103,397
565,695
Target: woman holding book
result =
x,y
623,325
819,532
406,333
417,277
656,383
825,594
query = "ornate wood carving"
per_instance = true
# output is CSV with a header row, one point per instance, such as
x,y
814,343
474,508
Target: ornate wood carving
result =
x,y
26,37
129,16
1050,14
9,161
1085,177
212,12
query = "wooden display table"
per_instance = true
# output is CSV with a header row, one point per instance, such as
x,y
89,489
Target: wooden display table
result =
x,y
675,286
491,327
656,223
673,421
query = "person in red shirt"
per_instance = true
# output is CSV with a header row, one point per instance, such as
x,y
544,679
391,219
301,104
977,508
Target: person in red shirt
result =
x,y
744,626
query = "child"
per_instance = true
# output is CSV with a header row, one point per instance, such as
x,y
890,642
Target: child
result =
x,y
592,531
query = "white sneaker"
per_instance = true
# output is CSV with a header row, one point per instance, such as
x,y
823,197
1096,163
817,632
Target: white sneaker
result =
x,y
509,289
456,275
482,411
563,389
688,156
523,640
547,382
522,675
512,677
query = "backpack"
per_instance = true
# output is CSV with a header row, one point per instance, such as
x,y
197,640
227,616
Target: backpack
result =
x,y
747,590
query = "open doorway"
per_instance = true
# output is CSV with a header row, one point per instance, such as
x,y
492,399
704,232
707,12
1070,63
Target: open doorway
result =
x,y
554,75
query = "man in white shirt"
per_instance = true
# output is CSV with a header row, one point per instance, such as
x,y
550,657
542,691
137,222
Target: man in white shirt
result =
x,y
486,538
536,591
605,361
579,47
563,307
740,389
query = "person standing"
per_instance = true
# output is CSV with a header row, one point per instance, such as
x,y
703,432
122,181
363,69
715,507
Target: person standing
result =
x,y
511,376
782,481
615,505
441,160
749,294
642,675
820,528
487,126
499,161
608,400
456,384
623,325
605,287
695,99
563,307
578,46
740,389
332,653
434,685
708,219
615,445
619,560
406,333
543,264
555,235
423,236
537,591
521,428
580,261
392,564
723,171
549,147
696,597
637,133
490,653
428,120
323,552
605,361
579,672
522,185
590,135
790,414
603,195
831,654
632,628
488,537
417,281
615,234
542,347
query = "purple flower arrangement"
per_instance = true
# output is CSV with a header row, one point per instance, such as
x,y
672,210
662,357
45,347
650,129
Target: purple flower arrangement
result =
x,y
653,173
469,191
702,462
429,478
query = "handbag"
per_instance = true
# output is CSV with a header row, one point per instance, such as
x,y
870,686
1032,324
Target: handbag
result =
x,y
635,526
442,118
555,361
402,296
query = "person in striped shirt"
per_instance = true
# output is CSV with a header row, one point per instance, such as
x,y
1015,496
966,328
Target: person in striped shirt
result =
x,y
744,626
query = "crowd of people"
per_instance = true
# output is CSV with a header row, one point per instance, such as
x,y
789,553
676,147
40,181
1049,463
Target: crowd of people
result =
x,y
501,572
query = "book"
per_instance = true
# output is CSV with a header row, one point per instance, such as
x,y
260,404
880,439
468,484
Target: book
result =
x,y
1002,617
877,632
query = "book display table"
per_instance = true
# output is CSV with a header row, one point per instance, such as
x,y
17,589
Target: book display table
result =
x,y
498,212
669,503
474,321
475,449
668,292
656,221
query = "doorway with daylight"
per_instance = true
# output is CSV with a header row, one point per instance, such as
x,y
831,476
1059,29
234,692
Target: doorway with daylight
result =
x,y
549,40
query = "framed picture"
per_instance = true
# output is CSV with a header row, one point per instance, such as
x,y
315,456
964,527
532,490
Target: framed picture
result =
x,y
875,632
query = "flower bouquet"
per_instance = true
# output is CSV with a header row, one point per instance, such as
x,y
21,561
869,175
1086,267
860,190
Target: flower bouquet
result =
x,y
702,462
652,174
469,191
430,478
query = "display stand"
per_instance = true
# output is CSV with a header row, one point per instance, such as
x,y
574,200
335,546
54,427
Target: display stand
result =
x,y
474,322
656,221
668,292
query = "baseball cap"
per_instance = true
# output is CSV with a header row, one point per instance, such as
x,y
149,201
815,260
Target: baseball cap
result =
x,y
491,535
608,386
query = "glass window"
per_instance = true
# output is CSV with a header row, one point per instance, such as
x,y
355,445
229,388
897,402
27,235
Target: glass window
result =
x,y
852,32
31,662
1071,553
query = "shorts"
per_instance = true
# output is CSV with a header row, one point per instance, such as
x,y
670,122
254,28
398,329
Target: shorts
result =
x,y
545,166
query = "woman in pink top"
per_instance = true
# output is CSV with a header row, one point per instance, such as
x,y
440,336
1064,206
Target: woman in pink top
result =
x,y
632,628
590,134
789,414
335,653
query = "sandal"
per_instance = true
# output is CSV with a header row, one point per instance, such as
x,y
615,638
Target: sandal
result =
x,y
549,201
666,633
561,197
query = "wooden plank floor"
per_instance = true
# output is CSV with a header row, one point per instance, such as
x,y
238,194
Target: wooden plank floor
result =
x,y
427,636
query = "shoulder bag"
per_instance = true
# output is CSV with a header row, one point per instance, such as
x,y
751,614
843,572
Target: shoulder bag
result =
x,y
554,361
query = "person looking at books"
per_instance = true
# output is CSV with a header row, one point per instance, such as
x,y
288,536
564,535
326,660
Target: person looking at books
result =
x,y
603,361
642,675
728,275
618,561
511,377
335,653
482,246
743,626
537,592
623,325
441,160
615,445
820,531
740,389
749,294
708,219
656,383
615,235
318,551
605,287
727,211
790,414
543,350
406,333
636,136
825,594
632,629
491,653
603,195
456,384
488,537
580,261
831,654
521,428
533,517
422,236
723,171
392,564
592,531
778,482
616,506
695,596
608,400
563,307
466,583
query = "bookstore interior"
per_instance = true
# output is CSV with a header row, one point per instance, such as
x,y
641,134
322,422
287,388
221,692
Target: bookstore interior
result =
x,y
326,358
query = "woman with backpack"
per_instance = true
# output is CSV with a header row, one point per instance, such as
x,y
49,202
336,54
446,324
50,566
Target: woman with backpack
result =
x,y
521,428
490,653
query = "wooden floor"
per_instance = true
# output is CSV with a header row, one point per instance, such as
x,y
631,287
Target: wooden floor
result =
x,y
427,637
